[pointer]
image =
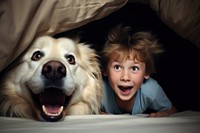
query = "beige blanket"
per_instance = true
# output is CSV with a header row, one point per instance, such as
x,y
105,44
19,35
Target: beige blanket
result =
x,y
23,20
182,16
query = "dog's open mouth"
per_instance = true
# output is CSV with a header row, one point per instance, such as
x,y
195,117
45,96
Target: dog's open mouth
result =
x,y
51,103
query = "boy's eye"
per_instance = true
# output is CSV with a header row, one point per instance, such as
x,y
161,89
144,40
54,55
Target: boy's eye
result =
x,y
135,68
117,67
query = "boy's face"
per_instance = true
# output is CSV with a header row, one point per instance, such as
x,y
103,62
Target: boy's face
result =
x,y
126,77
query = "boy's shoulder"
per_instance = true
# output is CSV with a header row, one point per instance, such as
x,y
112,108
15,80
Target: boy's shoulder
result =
x,y
150,86
150,82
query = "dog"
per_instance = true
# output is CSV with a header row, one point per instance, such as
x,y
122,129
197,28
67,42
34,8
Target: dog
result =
x,y
55,77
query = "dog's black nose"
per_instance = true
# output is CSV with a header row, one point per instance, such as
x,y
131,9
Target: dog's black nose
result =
x,y
54,70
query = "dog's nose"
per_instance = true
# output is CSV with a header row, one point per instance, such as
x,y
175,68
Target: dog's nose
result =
x,y
54,70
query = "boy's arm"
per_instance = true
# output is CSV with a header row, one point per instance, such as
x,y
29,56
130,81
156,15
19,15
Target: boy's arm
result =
x,y
164,113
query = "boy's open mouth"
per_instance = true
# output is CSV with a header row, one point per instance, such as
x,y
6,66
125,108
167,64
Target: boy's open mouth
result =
x,y
125,89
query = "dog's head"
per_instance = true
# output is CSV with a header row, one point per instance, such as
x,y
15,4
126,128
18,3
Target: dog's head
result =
x,y
51,77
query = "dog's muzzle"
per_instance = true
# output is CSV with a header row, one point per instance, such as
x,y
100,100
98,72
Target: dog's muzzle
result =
x,y
52,100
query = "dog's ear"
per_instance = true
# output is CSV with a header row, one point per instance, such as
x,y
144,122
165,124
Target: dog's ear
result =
x,y
90,63
75,36
89,59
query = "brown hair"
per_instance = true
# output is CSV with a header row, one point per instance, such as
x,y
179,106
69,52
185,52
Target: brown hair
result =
x,y
141,46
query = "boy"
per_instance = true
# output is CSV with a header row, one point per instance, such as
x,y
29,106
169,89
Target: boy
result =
x,y
128,87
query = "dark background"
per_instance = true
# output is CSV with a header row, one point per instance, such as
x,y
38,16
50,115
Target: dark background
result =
x,y
178,69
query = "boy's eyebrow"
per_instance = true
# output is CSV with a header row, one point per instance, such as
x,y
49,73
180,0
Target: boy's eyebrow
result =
x,y
134,61
138,62
115,61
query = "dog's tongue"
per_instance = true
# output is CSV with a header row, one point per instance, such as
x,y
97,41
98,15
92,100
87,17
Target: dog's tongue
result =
x,y
51,112
52,109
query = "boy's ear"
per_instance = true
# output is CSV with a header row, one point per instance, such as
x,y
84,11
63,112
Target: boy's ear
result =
x,y
146,76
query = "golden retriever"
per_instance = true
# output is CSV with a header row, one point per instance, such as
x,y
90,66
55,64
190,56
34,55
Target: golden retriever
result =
x,y
54,78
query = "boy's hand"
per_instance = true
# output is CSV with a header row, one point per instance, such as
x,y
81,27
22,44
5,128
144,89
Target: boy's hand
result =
x,y
164,113
159,114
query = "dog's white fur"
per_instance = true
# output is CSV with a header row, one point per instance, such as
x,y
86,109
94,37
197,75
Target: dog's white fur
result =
x,y
82,80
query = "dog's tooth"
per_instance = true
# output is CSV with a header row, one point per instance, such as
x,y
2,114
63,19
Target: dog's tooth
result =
x,y
61,109
52,114
44,109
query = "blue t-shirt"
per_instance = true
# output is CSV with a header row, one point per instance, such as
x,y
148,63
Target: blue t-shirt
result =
x,y
149,96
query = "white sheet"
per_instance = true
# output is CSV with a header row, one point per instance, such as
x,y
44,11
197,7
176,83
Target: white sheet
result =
x,y
183,122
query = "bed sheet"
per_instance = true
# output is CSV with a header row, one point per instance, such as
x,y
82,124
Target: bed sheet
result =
x,y
182,122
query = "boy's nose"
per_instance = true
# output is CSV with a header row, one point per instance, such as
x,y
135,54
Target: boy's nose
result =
x,y
125,76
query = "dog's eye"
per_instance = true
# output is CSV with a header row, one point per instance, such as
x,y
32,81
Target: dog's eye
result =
x,y
37,55
70,59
